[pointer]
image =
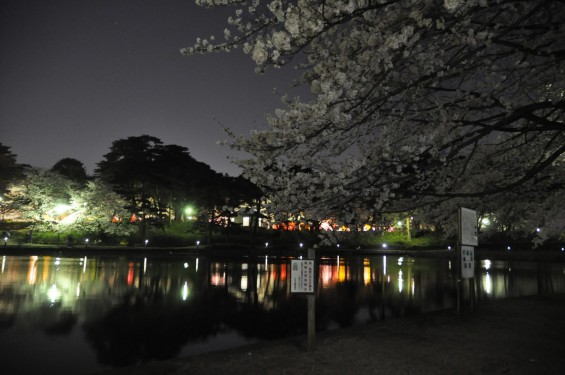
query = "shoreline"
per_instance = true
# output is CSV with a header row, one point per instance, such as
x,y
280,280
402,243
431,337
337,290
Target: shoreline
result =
x,y
243,251
512,336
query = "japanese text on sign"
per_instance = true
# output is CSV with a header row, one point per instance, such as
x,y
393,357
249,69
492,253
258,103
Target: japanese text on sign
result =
x,y
467,262
302,276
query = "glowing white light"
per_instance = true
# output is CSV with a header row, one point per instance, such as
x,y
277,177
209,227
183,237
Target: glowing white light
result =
x,y
53,293
488,284
3,263
144,265
57,261
84,264
485,221
185,265
400,260
61,209
266,261
185,291
266,245
508,248
78,290
538,229
449,248
400,281
244,282
197,243
146,242
196,264
486,264
385,246
301,244
384,264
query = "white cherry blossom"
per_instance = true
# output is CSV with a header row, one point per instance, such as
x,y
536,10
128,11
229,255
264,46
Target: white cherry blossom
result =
x,y
416,103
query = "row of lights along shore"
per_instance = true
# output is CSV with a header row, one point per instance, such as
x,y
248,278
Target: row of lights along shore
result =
x,y
301,245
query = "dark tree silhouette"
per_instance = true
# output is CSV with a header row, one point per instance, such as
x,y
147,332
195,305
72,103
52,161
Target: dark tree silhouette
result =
x,y
71,168
158,180
9,169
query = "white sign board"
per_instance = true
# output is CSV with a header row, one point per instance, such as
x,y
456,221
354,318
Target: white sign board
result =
x,y
468,230
302,276
467,262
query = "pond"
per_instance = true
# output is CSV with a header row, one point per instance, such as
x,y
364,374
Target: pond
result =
x,y
82,314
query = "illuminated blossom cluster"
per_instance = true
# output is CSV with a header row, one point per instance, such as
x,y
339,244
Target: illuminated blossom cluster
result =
x,y
414,102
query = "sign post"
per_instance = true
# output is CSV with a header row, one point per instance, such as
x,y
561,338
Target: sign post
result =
x,y
302,280
467,262
468,238
468,234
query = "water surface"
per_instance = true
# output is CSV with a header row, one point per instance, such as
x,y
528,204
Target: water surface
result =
x,y
78,315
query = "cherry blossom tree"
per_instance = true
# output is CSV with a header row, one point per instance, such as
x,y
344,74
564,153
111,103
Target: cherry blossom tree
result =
x,y
49,201
414,102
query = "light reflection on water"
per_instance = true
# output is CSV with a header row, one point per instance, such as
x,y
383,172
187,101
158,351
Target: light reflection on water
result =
x,y
82,314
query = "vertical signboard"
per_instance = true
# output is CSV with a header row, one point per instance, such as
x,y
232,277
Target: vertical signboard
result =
x,y
468,238
467,262
302,276
468,234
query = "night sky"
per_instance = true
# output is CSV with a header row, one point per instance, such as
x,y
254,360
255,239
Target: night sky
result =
x,y
77,75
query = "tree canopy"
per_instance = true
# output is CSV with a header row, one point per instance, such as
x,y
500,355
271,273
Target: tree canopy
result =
x,y
157,180
9,169
71,168
415,102
51,201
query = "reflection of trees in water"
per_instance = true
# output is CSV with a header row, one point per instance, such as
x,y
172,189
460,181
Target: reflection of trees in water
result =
x,y
340,305
9,301
545,281
263,315
135,311
137,331
6,321
50,318
501,279
57,322
288,319
152,325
